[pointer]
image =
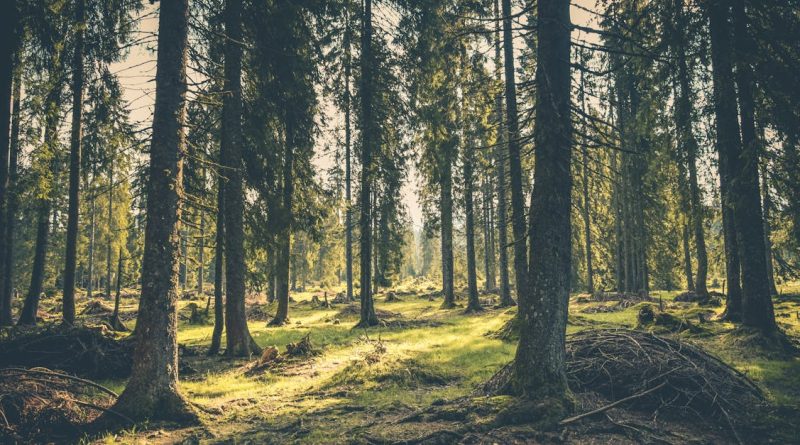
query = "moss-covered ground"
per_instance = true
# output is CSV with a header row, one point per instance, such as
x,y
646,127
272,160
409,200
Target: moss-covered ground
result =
x,y
364,382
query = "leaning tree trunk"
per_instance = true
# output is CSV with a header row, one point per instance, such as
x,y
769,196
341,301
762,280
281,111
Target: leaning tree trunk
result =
x,y
68,303
152,391
219,271
757,309
239,341
540,362
500,161
725,109
514,161
368,317
12,203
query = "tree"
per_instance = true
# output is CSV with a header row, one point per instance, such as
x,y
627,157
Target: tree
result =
x,y
68,303
757,310
515,164
540,362
239,340
368,317
500,162
8,49
152,391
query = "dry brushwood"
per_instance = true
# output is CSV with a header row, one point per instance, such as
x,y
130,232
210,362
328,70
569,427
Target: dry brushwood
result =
x,y
622,363
656,374
88,352
40,405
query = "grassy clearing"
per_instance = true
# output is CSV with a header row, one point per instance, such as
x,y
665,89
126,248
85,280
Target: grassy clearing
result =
x,y
421,356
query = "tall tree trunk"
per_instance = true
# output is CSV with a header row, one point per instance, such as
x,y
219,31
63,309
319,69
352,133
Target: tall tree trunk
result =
x,y
688,142
8,49
757,309
12,203
514,160
285,234
115,322
500,152
271,273
587,221
473,303
92,230
727,145
540,362
368,317
110,222
219,270
488,242
44,205
68,303
446,218
768,228
347,170
152,391
239,341
687,258
201,248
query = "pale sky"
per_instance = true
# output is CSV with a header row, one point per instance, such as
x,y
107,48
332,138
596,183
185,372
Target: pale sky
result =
x,y
137,76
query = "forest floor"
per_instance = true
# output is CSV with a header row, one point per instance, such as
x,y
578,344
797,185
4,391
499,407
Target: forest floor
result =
x,y
408,380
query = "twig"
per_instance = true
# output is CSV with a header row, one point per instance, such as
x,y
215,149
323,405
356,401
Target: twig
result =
x,y
66,376
610,405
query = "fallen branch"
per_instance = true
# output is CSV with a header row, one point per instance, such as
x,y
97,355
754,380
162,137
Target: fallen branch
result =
x,y
66,376
611,405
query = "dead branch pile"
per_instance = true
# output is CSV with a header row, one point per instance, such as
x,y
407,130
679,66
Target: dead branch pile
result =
x,y
619,296
43,406
97,307
258,312
354,310
88,352
649,317
616,306
622,363
302,348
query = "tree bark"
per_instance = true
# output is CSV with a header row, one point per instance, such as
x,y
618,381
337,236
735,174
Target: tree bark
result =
x,y
688,142
473,302
514,161
500,167
12,204
767,200
152,391
239,341
285,234
727,145
539,365
115,321
44,205
219,270
110,216
446,216
757,309
368,317
347,171
68,303
92,210
8,49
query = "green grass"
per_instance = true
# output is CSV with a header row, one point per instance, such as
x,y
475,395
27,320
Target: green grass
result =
x,y
437,354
